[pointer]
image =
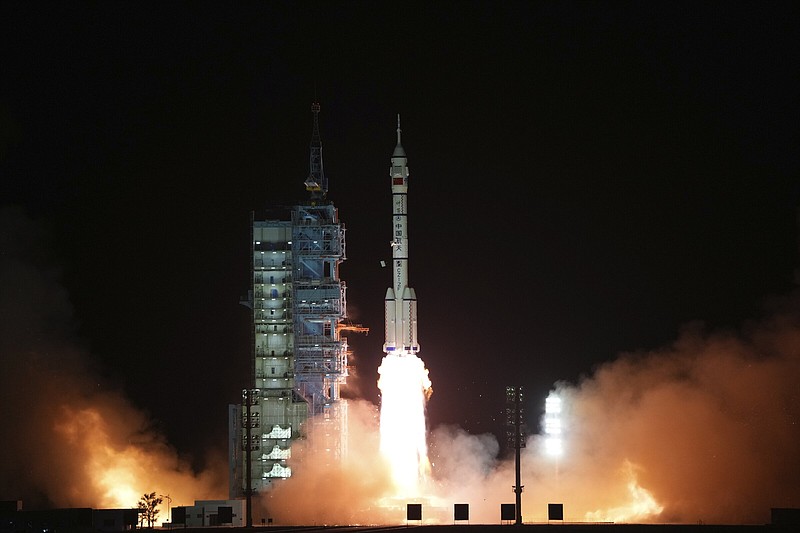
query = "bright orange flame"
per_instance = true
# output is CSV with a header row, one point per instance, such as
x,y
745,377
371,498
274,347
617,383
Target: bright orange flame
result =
x,y
641,506
110,469
405,388
122,466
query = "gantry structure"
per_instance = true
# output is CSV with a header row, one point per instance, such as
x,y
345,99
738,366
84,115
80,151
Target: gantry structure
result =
x,y
299,352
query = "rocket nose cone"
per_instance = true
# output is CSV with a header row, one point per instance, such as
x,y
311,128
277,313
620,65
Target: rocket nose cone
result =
x,y
398,151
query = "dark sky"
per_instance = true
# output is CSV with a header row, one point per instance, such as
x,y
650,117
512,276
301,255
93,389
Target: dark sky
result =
x,y
586,179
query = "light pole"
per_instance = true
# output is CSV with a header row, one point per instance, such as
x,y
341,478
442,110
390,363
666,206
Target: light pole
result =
x,y
169,509
249,396
516,438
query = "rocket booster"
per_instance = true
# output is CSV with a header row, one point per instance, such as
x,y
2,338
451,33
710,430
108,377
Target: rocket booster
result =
x,y
401,300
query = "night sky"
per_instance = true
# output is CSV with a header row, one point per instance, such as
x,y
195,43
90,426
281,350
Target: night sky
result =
x,y
587,178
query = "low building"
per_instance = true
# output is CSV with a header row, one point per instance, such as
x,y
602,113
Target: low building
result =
x,y
210,513
76,520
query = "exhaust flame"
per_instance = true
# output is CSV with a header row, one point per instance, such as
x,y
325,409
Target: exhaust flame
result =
x,y
405,388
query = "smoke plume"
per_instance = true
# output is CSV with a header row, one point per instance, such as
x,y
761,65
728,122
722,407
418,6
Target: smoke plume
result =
x,y
709,427
71,439
325,489
704,430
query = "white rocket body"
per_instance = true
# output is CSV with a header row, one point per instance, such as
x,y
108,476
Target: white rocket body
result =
x,y
401,300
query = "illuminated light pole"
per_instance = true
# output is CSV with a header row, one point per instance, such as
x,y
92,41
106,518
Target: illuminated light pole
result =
x,y
553,429
516,438
552,426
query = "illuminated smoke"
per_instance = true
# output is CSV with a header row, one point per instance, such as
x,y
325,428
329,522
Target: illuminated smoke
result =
x,y
705,430
321,491
386,464
405,388
709,427
71,440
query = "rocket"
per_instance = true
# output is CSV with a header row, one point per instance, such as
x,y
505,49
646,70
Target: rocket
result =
x,y
401,300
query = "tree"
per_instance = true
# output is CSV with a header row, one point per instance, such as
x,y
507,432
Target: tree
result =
x,y
148,508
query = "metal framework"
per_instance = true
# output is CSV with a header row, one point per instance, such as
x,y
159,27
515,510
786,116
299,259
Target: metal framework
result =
x,y
300,358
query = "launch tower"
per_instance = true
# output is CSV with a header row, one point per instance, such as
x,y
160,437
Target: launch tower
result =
x,y
300,360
